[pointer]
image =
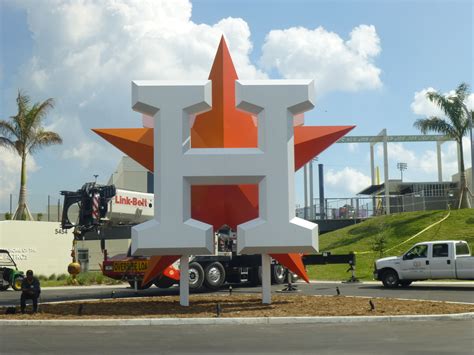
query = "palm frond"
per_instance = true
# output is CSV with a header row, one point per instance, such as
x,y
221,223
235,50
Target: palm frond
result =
x,y
39,111
7,143
462,91
22,101
452,108
437,125
7,129
44,139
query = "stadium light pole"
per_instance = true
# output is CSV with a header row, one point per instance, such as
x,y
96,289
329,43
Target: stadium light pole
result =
x,y
401,167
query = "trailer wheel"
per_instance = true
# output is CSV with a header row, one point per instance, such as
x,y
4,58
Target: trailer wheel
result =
x,y
196,276
164,282
214,275
278,274
390,278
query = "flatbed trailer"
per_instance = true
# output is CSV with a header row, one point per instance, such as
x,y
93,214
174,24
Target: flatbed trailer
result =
x,y
107,213
213,271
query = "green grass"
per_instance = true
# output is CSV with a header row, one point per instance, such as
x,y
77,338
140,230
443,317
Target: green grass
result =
x,y
395,228
83,279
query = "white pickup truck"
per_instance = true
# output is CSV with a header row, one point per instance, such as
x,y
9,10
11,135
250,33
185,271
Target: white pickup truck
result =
x,y
447,259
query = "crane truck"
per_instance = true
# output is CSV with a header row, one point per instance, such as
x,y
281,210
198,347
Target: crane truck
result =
x,y
106,213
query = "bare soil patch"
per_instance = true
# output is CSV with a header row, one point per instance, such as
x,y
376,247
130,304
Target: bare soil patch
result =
x,y
238,306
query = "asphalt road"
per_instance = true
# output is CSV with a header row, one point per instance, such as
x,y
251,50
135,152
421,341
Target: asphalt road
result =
x,y
420,337
438,337
440,292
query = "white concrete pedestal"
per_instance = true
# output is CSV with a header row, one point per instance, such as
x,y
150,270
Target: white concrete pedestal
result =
x,y
184,281
266,279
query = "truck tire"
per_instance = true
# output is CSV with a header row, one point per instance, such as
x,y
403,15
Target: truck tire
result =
x,y
4,287
405,283
16,284
164,282
214,275
390,278
278,274
196,276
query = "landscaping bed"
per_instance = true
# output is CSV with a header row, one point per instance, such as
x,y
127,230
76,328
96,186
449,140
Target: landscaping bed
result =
x,y
238,306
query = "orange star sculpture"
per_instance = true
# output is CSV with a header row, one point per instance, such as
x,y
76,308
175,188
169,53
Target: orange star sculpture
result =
x,y
224,127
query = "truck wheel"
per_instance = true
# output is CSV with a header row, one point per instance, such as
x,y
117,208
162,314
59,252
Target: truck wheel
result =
x,y
278,274
214,275
405,283
390,279
139,285
196,276
16,285
4,287
164,282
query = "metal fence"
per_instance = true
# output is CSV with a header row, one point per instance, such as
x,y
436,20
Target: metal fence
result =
x,y
43,207
48,207
365,207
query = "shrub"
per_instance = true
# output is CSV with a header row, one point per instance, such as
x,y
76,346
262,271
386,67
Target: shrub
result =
x,y
62,277
8,216
42,278
52,277
99,279
379,241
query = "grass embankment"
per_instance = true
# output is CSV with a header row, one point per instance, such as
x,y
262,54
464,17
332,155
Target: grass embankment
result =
x,y
395,228
83,279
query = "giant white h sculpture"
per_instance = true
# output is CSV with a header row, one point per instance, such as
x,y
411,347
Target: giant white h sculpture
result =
x,y
178,166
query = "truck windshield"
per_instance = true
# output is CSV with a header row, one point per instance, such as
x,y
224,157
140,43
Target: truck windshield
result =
x,y
462,249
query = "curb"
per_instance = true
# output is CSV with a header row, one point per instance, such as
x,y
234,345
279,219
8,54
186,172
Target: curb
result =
x,y
236,321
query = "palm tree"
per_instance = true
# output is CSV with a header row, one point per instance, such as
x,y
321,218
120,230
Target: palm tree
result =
x,y
455,125
24,134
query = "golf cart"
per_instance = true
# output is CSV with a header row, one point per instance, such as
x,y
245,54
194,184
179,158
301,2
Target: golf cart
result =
x,y
9,273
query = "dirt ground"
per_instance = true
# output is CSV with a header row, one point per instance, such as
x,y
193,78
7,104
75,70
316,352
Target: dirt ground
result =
x,y
237,306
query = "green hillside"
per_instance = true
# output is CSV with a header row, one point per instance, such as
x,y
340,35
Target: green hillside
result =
x,y
394,229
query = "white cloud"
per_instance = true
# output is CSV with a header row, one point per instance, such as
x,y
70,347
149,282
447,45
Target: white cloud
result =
x,y
353,147
333,63
81,146
422,106
86,53
423,165
347,180
10,167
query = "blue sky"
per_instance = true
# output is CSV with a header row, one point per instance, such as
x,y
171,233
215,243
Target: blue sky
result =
x,y
85,53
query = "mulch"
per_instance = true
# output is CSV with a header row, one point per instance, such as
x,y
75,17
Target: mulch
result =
x,y
238,305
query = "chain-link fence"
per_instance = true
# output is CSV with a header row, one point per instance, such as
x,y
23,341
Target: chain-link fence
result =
x,y
43,207
48,207
364,207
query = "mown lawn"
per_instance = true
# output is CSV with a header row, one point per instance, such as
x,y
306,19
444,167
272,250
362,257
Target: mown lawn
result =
x,y
395,228
83,279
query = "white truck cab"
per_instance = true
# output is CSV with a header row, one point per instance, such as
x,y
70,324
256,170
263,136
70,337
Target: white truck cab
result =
x,y
445,259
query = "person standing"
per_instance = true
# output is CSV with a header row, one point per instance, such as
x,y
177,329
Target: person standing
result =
x,y
30,289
